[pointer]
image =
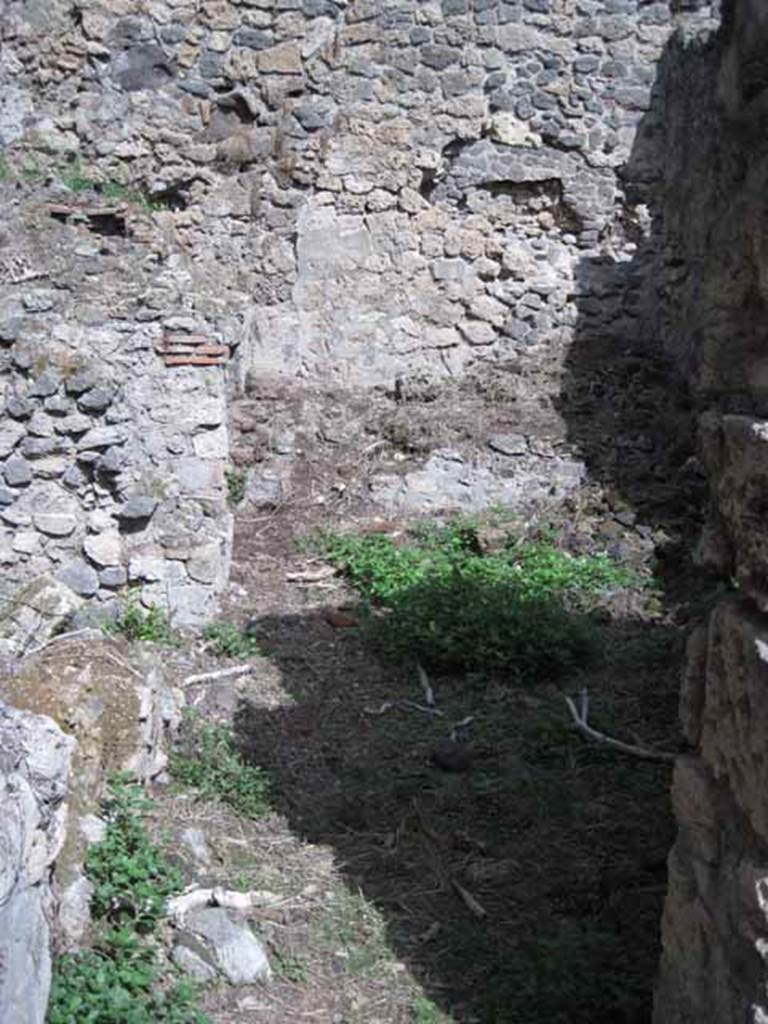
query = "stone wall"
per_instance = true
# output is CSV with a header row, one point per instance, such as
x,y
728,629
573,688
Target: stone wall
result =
x,y
711,217
352,199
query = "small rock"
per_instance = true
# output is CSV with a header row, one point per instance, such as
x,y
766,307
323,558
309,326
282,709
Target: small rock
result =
x,y
140,507
147,567
10,435
11,515
103,549
10,329
114,576
76,423
95,400
80,577
508,444
40,425
57,405
7,497
47,384
205,563
50,467
192,964
111,461
38,302
80,382
229,946
452,757
74,478
26,542
38,447
17,472
55,524
101,437
19,408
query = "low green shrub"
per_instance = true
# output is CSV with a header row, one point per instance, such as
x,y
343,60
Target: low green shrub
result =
x,y
209,761
438,599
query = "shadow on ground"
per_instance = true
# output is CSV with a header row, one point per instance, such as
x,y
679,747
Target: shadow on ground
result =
x,y
527,887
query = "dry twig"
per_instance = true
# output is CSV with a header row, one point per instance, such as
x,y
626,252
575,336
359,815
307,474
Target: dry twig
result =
x,y
580,716
429,696
469,900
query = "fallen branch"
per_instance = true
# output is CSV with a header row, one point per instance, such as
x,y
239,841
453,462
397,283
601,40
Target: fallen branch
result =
x,y
580,716
214,677
230,899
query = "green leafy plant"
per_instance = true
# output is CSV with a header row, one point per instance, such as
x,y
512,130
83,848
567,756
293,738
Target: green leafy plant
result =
x,y
121,980
438,599
209,761
106,987
237,481
131,878
230,641
135,622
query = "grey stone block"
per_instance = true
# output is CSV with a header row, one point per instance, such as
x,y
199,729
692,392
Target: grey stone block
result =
x,y
80,577
139,507
96,400
17,472
19,408
47,384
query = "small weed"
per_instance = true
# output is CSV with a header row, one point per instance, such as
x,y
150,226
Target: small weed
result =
x,y
237,481
522,609
210,762
292,968
426,1012
136,622
229,641
121,979
123,193
75,179
5,168
241,882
